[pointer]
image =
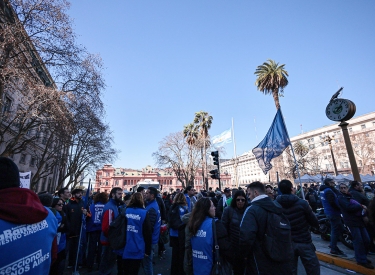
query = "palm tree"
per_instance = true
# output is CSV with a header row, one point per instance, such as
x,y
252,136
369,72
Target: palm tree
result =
x,y
191,135
272,78
203,121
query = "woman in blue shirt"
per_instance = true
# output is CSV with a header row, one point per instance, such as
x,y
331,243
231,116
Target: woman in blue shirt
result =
x,y
202,240
138,235
177,233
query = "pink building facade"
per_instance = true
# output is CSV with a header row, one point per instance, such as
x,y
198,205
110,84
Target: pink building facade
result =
x,y
109,177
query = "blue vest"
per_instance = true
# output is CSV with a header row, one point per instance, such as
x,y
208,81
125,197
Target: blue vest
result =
x,y
183,211
328,209
202,245
135,244
94,223
61,237
26,248
188,202
156,230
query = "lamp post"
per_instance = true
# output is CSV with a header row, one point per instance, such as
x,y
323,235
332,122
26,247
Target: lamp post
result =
x,y
329,139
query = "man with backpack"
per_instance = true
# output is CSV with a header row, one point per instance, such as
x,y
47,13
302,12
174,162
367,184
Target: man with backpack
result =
x,y
300,216
110,212
265,235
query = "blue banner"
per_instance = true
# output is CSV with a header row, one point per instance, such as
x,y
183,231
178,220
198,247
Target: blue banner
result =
x,y
273,144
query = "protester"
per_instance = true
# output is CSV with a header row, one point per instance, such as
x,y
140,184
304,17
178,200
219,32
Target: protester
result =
x,y
202,240
57,268
30,227
252,232
153,211
231,219
270,192
110,212
222,203
74,210
64,194
94,229
138,235
328,194
301,217
190,198
353,212
177,234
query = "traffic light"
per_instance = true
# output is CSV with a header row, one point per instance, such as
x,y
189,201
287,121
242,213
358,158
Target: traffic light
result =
x,y
215,156
215,174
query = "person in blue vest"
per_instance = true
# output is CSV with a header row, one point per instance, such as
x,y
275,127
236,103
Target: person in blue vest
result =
x,y
202,240
110,212
94,229
153,211
177,233
329,196
190,198
27,228
138,235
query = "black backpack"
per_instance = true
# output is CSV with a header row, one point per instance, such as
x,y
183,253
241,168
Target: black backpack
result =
x,y
117,231
277,243
174,219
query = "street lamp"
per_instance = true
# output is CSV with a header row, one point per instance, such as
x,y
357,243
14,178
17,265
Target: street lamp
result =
x,y
329,139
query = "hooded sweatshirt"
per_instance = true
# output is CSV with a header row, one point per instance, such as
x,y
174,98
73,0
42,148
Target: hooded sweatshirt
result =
x,y
27,230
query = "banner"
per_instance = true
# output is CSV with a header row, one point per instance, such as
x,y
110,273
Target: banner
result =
x,y
273,144
224,138
25,179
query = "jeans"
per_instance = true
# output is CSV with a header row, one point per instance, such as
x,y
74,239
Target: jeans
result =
x,y
147,261
361,242
94,247
306,251
108,260
336,229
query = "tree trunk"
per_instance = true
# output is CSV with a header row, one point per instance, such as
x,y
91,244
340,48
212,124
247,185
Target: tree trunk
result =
x,y
275,94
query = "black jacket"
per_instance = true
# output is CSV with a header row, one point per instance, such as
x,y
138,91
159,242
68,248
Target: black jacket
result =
x,y
252,230
163,212
351,210
359,196
74,217
300,217
231,220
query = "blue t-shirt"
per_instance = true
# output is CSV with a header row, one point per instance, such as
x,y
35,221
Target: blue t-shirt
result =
x,y
26,248
94,223
135,244
202,245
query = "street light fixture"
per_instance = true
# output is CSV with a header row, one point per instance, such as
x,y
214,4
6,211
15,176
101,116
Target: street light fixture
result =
x,y
329,139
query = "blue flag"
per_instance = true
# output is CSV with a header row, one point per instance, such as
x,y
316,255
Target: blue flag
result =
x,y
273,144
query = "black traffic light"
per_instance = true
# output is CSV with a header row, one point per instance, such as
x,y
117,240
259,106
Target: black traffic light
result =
x,y
215,174
215,156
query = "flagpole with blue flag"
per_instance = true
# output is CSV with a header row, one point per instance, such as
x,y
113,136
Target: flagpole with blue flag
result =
x,y
274,144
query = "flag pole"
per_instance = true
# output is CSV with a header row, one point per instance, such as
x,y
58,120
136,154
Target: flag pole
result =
x,y
235,154
294,156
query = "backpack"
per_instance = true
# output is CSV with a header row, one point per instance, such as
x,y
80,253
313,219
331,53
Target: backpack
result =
x,y
277,242
174,219
117,231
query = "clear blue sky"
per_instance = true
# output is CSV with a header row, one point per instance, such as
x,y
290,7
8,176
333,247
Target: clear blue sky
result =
x,y
166,60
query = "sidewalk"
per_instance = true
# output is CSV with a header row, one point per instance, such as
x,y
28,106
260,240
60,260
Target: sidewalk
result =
x,y
349,262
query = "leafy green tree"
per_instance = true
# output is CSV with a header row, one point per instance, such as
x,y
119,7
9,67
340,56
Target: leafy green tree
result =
x,y
272,79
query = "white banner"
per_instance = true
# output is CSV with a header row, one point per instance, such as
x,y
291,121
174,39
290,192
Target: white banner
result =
x,y
25,179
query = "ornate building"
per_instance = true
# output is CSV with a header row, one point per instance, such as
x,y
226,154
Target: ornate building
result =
x,y
109,177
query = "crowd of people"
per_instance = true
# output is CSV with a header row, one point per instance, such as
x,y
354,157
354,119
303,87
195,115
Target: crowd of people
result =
x,y
45,233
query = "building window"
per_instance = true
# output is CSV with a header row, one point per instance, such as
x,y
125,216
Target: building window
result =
x,y
312,146
44,182
23,158
363,126
125,182
50,184
7,105
116,182
350,130
32,162
373,124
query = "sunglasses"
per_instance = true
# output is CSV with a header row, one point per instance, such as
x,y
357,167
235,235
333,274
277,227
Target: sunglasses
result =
x,y
59,204
240,200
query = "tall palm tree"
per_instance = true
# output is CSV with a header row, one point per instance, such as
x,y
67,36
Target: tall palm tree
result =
x,y
203,120
191,135
272,78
